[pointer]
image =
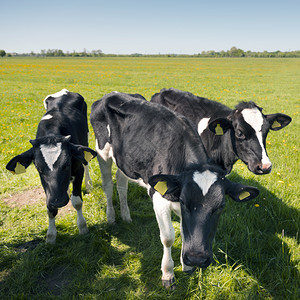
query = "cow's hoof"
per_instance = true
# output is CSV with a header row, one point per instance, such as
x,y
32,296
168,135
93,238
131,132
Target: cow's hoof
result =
x,y
127,219
51,239
169,284
111,221
111,217
83,230
190,272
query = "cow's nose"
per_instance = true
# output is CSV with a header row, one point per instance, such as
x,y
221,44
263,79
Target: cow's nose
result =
x,y
58,202
263,168
197,259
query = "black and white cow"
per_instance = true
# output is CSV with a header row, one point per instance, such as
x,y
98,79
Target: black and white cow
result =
x,y
227,134
161,151
58,152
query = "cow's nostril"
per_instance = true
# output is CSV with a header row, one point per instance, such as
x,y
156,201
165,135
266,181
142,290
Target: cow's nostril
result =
x,y
263,168
267,168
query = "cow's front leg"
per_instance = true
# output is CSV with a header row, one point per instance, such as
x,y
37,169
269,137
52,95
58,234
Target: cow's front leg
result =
x,y
167,236
122,186
51,232
77,201
81,222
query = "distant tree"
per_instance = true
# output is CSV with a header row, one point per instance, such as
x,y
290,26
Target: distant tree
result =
x,y
97,53
2,53
235,52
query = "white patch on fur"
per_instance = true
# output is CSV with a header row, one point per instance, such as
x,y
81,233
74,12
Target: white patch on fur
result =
x,y
202,125
46,117
255,119
108,129
50,154
205,180
76,202
56,95
106,152
51,232
162,208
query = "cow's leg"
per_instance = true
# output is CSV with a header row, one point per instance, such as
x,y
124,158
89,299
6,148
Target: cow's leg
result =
x,y
87,179
77,201
122,186
167,236
51,232
107,184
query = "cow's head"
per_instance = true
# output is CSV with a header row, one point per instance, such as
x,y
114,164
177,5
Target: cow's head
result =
x,y
54,157
201,194
249,129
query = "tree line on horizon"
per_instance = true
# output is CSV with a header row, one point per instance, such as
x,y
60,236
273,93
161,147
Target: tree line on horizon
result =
x,y
233,52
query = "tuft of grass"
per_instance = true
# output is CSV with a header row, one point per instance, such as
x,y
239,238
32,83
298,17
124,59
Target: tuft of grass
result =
x,y
256,250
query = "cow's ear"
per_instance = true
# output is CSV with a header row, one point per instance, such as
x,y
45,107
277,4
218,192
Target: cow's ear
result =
x,y
19,163
219,126
165,184
278,121
82,153
240,192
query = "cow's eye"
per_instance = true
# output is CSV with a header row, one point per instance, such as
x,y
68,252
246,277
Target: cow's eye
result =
x,y
240,135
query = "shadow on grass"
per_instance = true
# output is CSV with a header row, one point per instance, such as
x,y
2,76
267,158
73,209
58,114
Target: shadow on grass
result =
x,y
250,235
121,261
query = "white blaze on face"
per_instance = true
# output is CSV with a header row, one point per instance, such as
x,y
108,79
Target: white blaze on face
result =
x,y
51,154
205,180
202,125
56,95
255,119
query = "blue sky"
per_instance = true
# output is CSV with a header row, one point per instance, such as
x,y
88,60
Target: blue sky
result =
x,y
149,27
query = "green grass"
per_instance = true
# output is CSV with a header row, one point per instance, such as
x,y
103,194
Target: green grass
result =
x,y
256,248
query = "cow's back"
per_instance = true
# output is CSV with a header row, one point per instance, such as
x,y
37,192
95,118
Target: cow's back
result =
x,y
145,133
66,115
193,107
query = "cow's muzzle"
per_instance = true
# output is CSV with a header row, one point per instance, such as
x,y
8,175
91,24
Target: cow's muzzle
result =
x,y
57,202
197,259
261,169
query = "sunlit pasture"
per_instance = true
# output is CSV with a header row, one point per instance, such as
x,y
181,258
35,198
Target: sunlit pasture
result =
x,y
256,248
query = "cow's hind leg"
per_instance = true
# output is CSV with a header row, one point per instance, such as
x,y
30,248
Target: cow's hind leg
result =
x,y
77,201
51,232
87,179
107,184
167,237
122,186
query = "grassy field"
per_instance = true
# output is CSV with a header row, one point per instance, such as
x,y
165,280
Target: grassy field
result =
x,y
256,249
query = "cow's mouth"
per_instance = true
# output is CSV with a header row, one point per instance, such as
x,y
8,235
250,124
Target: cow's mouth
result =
x,y
197,260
